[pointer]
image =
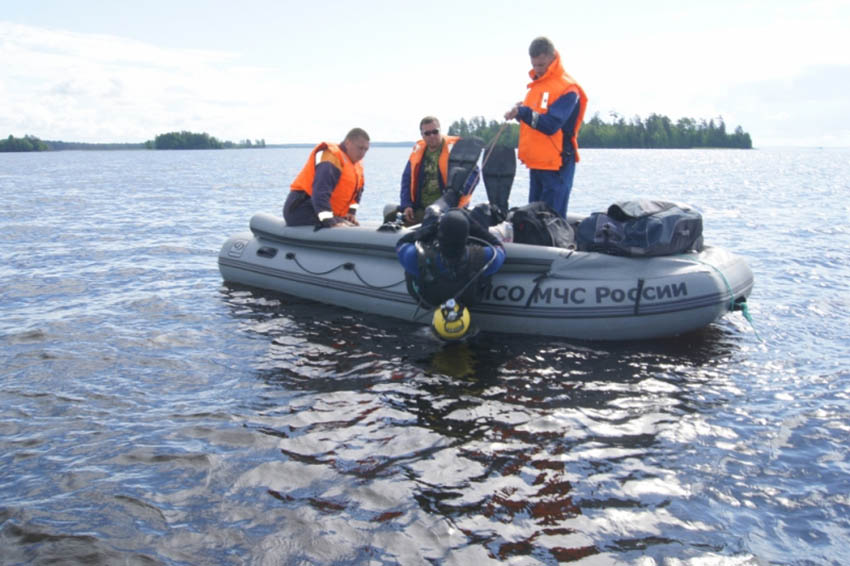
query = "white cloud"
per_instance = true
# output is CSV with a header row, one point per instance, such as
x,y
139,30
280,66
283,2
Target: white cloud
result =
x,y
741,64
78,87
726,59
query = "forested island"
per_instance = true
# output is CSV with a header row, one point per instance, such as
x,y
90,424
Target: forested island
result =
x,y
190,140
655,132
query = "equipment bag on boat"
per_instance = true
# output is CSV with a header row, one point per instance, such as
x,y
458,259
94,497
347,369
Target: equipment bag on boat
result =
x,y
642,228
537,223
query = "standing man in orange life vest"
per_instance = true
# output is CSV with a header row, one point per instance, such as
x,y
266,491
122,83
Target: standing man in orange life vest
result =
x,y
327,194
549,120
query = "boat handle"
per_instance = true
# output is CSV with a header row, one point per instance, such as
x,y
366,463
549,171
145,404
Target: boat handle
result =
x,y
267,251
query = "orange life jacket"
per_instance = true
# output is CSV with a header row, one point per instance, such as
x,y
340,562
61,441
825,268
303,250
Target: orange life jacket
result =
x,y
416,162
536,149
350,182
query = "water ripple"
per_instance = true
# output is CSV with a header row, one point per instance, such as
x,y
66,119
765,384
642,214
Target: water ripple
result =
x,y
151,415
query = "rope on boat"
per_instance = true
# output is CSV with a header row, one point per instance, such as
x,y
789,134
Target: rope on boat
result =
x,y
734,305
723,277
353,268
350,266
537,280
640,284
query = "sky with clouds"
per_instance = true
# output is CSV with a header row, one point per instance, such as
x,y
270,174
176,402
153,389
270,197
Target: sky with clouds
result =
x,y
288,72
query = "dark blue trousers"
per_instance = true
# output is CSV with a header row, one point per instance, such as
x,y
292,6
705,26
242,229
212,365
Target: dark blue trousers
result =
x,y
552,187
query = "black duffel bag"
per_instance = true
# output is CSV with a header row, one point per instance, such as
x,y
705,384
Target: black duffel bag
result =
x,y
537,223
642,228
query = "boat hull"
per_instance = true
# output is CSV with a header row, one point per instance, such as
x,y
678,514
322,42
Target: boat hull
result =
x,y
538,291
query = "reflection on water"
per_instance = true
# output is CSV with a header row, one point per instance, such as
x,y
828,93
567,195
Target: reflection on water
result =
x,y
498,449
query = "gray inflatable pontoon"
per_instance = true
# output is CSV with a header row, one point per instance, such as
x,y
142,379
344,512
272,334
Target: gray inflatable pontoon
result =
x,y
539,290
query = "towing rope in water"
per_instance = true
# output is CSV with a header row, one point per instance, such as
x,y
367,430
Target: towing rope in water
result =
x,y
745,310
733,304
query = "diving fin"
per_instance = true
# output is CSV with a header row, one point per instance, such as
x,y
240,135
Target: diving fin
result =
x,y
498,172
462,161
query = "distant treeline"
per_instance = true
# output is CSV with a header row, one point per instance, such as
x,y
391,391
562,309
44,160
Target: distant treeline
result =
x,y
32,143
660,132
60,145
173,140
656,131
190,140
26,143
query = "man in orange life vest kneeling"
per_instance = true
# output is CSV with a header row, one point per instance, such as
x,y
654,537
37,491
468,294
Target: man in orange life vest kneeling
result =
x,y
328,194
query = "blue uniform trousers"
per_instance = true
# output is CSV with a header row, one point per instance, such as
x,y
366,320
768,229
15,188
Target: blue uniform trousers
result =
x,y
552,187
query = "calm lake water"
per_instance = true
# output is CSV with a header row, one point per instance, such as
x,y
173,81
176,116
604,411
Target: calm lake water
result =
x,y
150,414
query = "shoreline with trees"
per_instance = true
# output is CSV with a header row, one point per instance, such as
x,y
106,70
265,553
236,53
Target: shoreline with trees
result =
x,y
654,132
171,140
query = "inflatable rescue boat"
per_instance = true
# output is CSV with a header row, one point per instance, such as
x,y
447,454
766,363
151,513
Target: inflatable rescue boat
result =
x,y
539,290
